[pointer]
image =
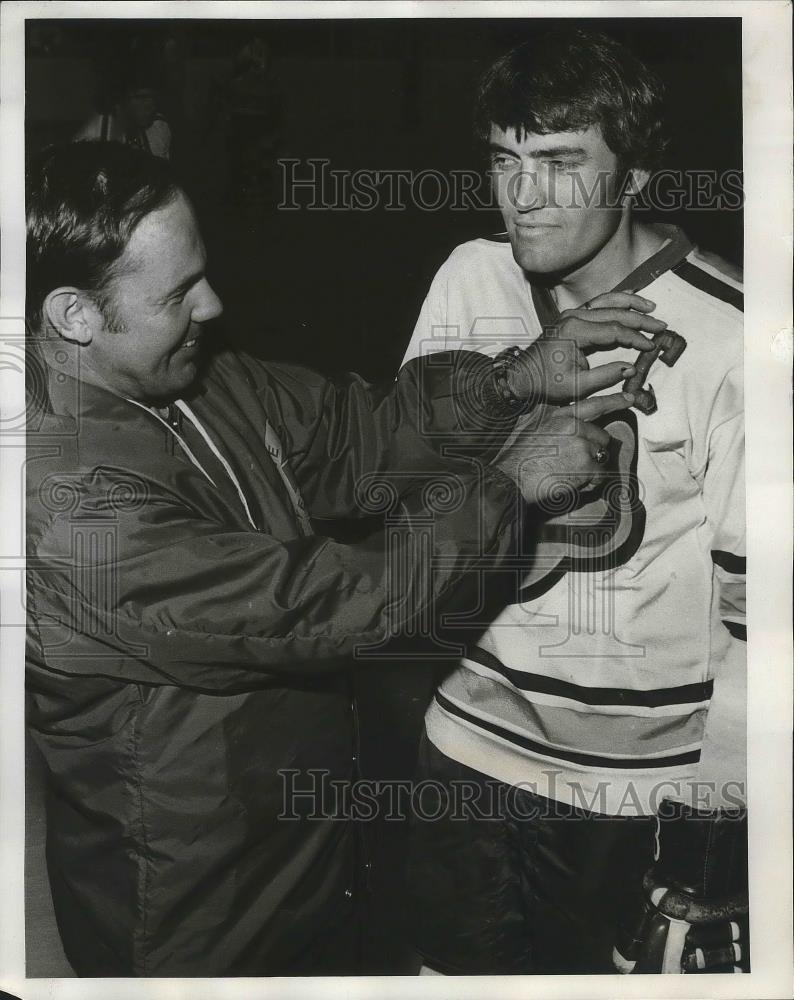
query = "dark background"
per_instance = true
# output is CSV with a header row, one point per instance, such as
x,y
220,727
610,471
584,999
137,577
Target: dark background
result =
x,y
342,290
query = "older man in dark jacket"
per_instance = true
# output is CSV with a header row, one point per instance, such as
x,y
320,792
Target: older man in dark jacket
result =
x,y
189,624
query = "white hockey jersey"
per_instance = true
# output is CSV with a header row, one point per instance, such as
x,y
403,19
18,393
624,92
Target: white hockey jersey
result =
x,y
595,690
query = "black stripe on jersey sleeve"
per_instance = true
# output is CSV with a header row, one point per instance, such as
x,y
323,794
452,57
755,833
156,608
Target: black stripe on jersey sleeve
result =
x,y
575,757
684,694
737,631
729,562
693,275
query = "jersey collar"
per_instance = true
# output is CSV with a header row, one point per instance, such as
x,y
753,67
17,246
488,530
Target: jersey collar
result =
x,y
672,252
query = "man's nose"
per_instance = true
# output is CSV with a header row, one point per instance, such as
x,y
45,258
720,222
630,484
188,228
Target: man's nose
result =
x,y
208,305
528,190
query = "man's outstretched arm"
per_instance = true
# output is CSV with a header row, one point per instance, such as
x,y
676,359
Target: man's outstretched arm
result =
x,y
180,599
340,430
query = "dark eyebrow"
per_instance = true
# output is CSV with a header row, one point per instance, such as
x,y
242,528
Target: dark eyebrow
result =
x,y
548,153
553,151
496,148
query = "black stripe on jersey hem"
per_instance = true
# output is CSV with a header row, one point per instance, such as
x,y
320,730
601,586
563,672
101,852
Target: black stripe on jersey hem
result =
x,y
588,759
737,631
729,562
685,694
707,283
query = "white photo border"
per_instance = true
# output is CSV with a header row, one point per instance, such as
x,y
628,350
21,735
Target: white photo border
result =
x,y
766,38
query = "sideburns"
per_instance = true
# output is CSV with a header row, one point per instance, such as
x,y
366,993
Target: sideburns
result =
x,y
113,322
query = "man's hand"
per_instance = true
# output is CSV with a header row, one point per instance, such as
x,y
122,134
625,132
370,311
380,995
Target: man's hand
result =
x,y
555,369
556,449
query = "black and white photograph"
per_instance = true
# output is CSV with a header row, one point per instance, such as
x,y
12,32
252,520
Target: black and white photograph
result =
x,y
396,502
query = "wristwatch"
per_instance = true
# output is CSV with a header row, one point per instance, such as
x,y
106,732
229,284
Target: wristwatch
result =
x,y
506,361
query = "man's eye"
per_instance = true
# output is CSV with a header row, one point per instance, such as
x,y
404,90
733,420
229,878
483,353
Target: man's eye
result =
x,y
501,162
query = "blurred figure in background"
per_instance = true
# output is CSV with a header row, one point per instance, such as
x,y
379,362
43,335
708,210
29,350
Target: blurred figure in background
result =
x,y
251,106
128,109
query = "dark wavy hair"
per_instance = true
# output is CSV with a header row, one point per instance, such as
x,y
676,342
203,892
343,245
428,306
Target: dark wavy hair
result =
x,y
567,80
83,203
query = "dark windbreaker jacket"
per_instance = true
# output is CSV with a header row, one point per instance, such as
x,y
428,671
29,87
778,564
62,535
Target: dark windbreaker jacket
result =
x,y
180,657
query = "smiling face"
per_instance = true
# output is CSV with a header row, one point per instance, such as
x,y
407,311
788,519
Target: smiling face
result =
x,y
557,197
160,301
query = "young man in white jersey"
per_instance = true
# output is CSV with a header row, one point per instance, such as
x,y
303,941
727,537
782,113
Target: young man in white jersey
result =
x,y
575,724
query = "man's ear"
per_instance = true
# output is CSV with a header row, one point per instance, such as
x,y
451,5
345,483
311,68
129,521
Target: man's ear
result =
x,y
72,314
636,180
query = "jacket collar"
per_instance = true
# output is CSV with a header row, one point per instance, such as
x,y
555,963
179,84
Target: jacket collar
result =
x,y
70,396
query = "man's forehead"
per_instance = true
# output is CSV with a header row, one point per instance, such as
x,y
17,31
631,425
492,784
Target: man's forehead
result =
x,y
166,244
527,142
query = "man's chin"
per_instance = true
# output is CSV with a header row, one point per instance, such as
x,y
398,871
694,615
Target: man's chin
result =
x,y
178,384
536,262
